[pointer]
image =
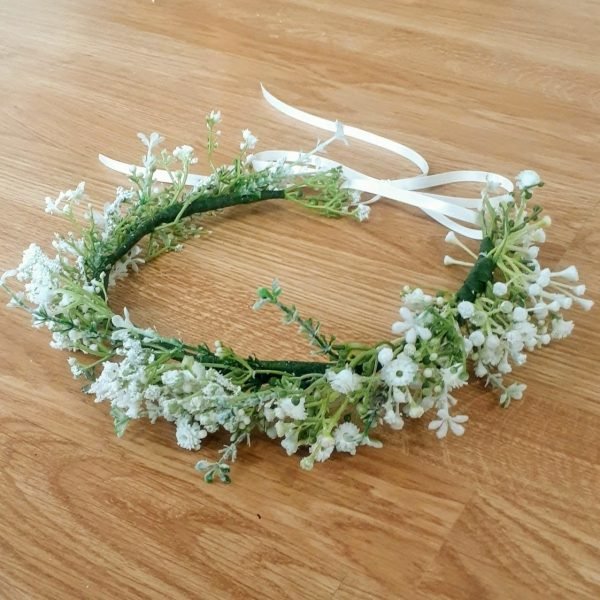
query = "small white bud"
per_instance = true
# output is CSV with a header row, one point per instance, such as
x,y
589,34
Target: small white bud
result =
x,y
385,355
538,235
527,179
519,314
570,273
409,349
477,338
466,309
584,303
500,289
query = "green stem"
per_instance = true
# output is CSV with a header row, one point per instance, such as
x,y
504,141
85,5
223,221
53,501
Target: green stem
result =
x,y
479,275
170,214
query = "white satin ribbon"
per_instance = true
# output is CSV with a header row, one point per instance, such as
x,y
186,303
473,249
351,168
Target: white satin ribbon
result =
x,y
443,208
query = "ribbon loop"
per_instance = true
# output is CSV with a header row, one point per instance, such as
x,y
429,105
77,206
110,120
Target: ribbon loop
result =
x,y
445,209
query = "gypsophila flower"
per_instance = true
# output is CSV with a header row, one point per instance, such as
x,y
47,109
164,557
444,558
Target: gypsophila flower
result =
x,y
513,392
185,154
519,314
527,179
189,435
477,338
345,381
446,421
290,442
65,201
416,300
248,141
213,118
287,408
362,212
399,372
453,377
385,355
393,418
347,437
321,450
466,309
561,329
151,141
412,326
500,289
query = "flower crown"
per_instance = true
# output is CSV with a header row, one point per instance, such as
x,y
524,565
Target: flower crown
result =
x,y
507,305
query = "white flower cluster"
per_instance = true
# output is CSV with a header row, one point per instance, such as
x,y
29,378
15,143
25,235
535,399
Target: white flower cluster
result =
x,y
427,364
65,201
40,274
522,309
197,399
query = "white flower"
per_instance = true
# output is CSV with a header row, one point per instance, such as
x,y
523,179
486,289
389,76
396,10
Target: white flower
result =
x,y
538,236
445,420
150,142
477,338
393,418
570,273
345,381
466,309
362,212
249,141
307,463
584,303
76,367
67,199
287,408
189,435
213,117
399,372
500,289
415,411
492,341
480,370
416,300
527,179
385,355
346,436
561,328
411,326
452,377
124,322
184,154
519,314
513,392
290,442
321,450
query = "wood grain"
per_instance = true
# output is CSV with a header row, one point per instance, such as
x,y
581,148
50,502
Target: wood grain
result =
x,y
510,510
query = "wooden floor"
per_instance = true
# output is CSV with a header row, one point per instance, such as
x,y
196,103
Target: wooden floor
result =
x,y
509,511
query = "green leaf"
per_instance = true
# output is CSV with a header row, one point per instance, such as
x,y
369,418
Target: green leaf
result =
x,y
120,420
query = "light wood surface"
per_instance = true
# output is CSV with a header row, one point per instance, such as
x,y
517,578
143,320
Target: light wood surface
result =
x,y
508,511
